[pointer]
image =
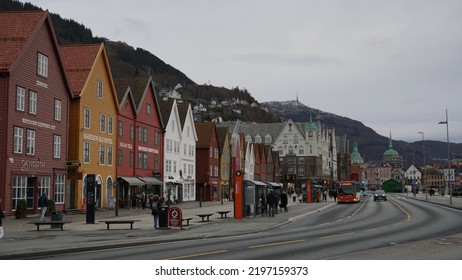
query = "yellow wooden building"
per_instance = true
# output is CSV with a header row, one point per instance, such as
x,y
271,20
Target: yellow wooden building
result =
x,y
93,125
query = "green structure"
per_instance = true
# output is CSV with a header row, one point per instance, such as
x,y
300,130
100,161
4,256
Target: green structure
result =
x,y
392,186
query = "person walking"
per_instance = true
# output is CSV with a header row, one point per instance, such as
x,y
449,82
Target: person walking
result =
x,y
43,204
143,201
271,200
284,201
263,204
155,210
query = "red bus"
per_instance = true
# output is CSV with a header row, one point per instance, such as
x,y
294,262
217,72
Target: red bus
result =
x,y
348,191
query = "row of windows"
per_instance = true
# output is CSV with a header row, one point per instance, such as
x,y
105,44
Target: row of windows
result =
x,y
18,142
143,133
213,152
102,121
20,189
105,153
143,160
171,167
33,101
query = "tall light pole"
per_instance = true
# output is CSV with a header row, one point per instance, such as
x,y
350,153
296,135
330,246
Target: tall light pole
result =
x,y
423,169
449,157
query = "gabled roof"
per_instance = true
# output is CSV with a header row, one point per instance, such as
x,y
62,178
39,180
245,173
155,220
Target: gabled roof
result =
x,y
17,33
222,133
79,60
204,133
138,87
165,108
183,112
16,28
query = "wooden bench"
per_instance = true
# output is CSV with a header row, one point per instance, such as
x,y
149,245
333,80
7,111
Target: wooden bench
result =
x,y
203,216
39,223
224,214
108,222
186,220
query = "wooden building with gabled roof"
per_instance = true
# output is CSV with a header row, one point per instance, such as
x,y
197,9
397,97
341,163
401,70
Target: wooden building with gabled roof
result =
x,y
34,102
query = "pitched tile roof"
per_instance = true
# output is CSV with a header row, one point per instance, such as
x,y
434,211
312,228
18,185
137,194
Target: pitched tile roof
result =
x,y
165,108
78,61
15,29
138,86
204,132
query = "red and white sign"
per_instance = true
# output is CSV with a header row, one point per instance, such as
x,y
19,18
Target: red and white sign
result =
x,y
174,217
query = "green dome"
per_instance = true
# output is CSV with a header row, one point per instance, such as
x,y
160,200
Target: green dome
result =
x,y
355,154
391,152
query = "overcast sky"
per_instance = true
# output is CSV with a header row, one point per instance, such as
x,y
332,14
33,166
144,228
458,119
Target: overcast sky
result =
x,y
395,65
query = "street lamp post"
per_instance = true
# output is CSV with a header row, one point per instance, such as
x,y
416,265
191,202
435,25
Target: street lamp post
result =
x,y
424,169
449,157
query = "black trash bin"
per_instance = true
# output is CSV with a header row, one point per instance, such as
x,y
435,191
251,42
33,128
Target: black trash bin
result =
x,y
163,216
56,216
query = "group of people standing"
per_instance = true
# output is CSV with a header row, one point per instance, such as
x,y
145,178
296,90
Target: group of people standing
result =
x,y
271,202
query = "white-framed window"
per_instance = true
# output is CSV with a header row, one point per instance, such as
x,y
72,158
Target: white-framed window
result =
x,y
58,105
56,146
18,138
30,146
86,152
211,170
145,135
132,159
148,109
19,190
216,152
44,185
102,154
132,132
109,156
42,65
20,98
120,157
174,167
121,129
32,102
156,138
215,169
86,118
60,180
168,166
102,123
109,125
140,133
100,89
156,161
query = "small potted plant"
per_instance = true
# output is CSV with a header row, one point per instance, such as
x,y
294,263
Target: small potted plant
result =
x,y
55,216
21,209
51,207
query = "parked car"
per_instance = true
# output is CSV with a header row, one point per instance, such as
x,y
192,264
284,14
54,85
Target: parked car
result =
x,y
380,194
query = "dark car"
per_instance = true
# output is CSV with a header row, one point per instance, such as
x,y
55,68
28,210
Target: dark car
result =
x,y
380,194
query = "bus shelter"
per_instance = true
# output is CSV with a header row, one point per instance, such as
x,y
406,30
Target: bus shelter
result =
x,y
252,193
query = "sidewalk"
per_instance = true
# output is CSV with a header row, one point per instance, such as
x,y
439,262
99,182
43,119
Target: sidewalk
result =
x,y
437,199
22,240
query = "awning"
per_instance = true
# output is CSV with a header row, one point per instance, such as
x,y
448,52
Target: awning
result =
x,y
273,185
151,181
132,181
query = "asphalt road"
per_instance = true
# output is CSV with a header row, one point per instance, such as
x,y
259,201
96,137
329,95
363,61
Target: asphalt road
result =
x,y
393,229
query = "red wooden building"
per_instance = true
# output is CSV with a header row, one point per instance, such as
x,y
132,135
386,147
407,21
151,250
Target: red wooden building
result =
x,y
34,104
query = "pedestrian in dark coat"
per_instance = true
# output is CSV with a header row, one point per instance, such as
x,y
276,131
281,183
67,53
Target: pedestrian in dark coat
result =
x,y
43,204
271,200
284,201
263,204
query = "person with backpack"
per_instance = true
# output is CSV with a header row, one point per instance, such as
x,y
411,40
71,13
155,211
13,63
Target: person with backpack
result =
x,y
155,210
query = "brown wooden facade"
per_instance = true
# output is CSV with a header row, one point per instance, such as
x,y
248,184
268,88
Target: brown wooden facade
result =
x,y
34,101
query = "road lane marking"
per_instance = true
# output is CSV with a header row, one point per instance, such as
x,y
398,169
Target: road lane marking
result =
x,y
337,235
402,209
196,255
275,244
